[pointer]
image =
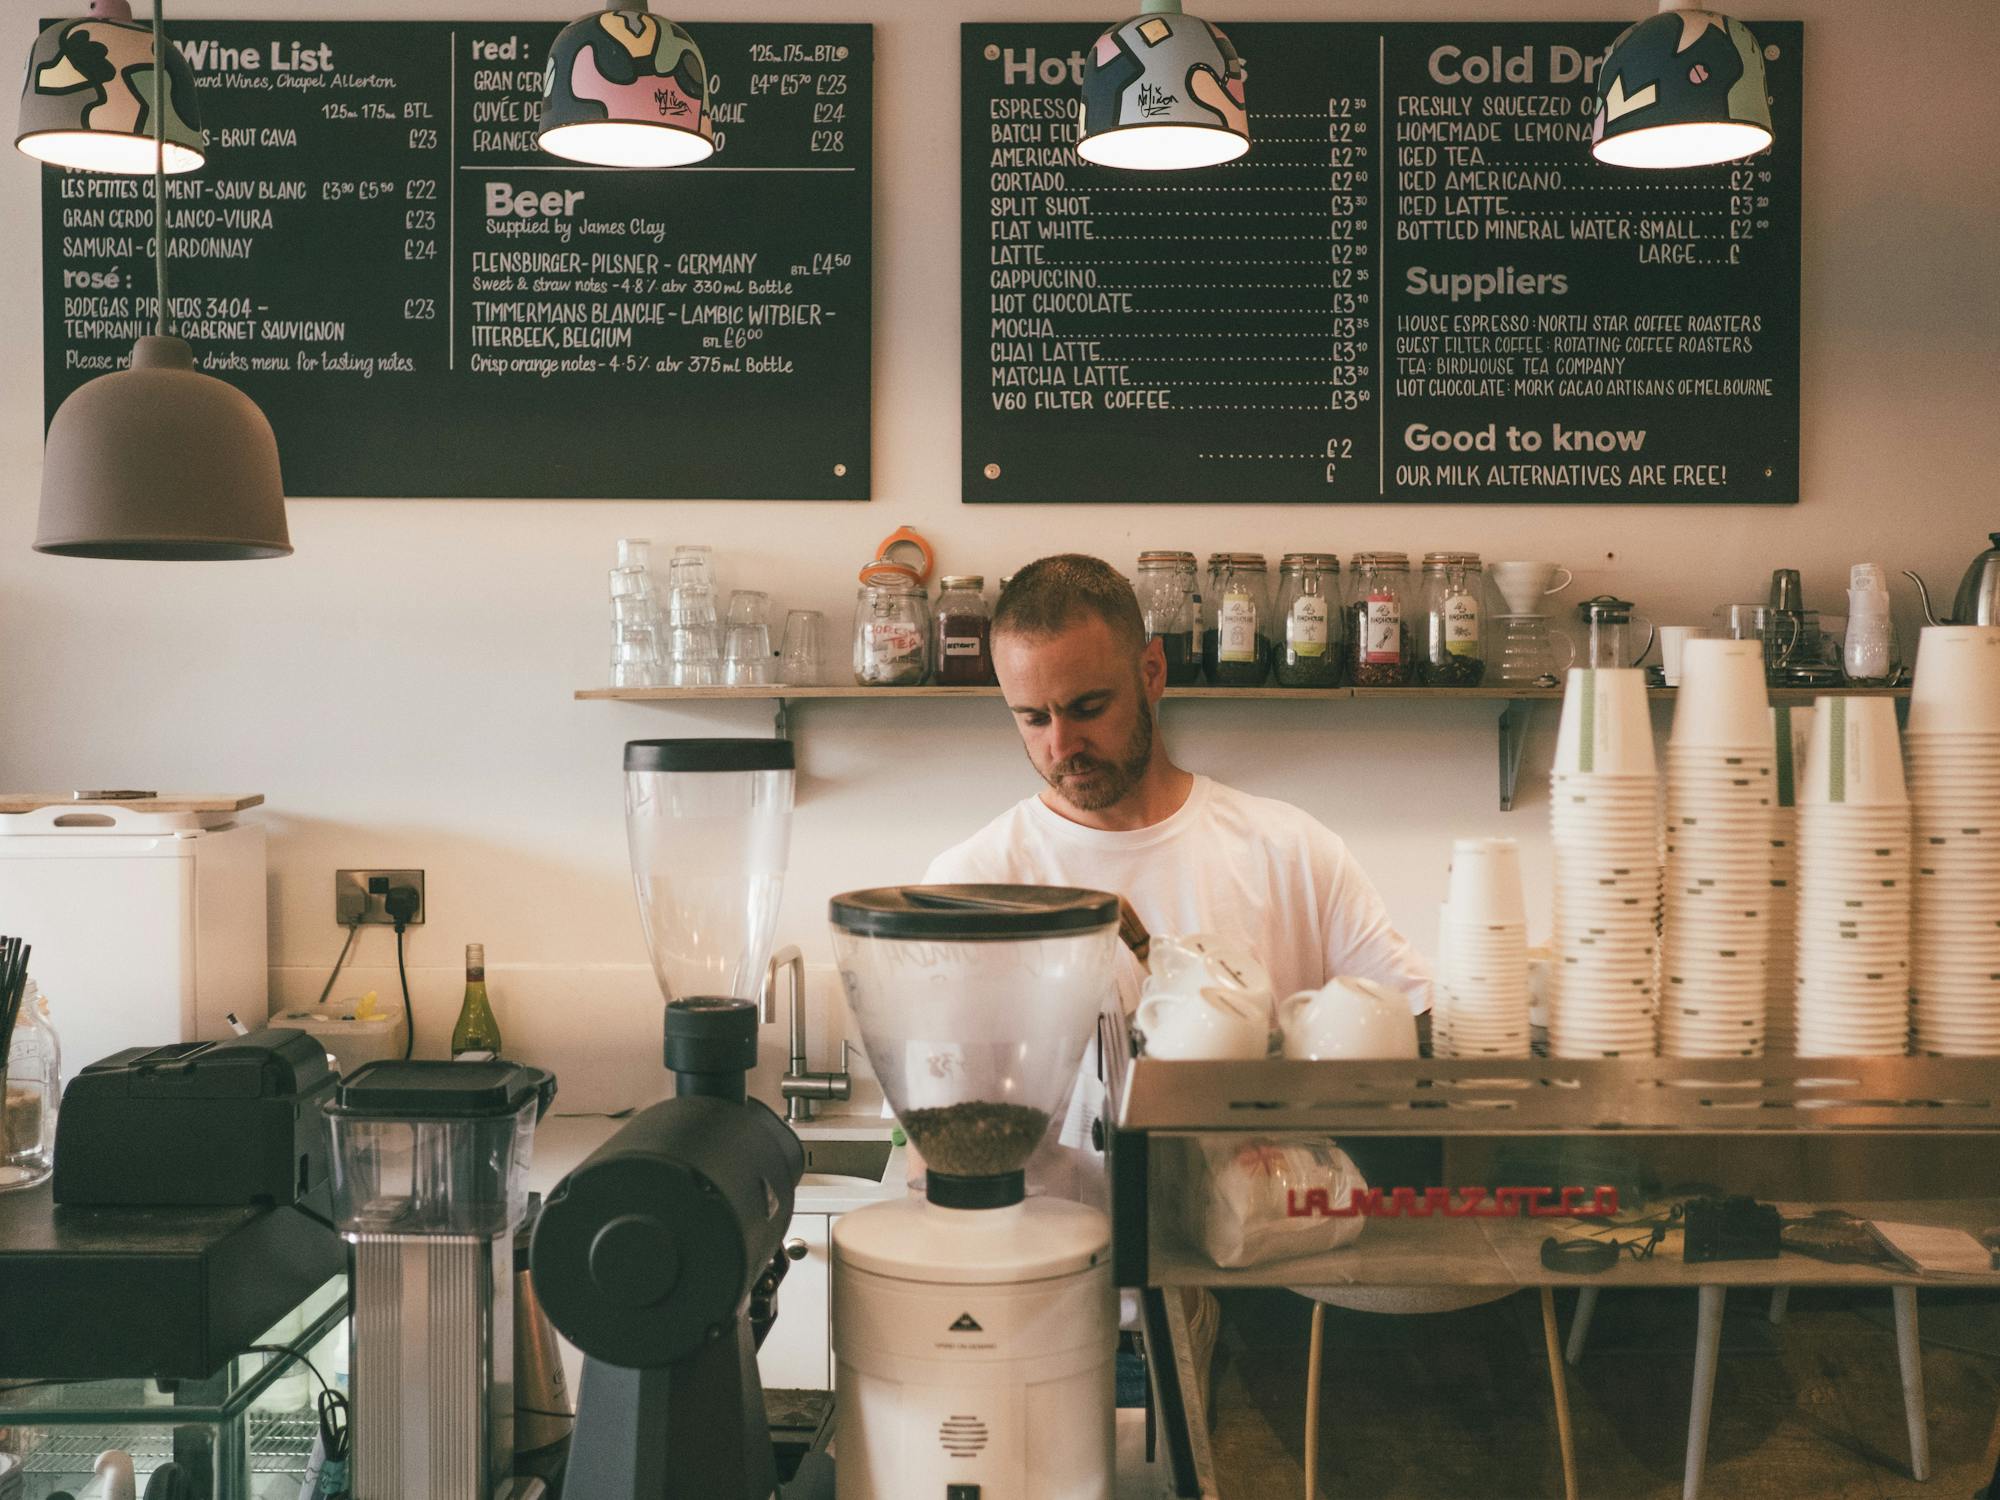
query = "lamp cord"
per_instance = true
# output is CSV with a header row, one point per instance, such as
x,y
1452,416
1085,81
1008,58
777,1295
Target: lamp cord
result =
x,y
162,323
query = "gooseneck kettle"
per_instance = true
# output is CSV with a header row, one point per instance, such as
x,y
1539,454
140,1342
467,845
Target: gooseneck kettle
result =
x,y
1978,601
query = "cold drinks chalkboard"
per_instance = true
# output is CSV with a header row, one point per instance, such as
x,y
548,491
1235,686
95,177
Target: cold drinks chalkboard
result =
x,y
424,303
1417,286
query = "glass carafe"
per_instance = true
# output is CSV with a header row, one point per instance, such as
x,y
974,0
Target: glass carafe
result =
x,y
1609,633
709,823
1529,654
975,1004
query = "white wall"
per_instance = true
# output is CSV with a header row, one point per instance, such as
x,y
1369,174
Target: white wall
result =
x,y
400,689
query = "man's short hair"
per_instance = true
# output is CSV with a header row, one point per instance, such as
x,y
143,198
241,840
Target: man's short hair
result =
x,y
1048,594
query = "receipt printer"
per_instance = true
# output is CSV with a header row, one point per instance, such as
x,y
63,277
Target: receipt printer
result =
x,y
212,1124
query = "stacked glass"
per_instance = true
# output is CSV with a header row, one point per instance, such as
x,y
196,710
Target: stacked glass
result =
x,y
693,630
637,654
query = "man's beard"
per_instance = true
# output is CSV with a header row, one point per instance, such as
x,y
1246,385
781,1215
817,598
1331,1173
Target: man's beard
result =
x,y
1112,781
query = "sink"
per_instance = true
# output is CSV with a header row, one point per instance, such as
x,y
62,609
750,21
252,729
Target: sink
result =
x,y
829,1161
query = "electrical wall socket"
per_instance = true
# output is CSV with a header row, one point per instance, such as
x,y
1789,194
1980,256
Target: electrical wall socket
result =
x,y
359,896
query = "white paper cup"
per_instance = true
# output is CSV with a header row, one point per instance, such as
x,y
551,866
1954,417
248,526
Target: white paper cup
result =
x,y
1723,700
1605,726
1673,647
1485,882
1854,758
1956,689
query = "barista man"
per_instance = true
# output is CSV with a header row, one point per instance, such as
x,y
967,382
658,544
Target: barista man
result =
x,y
1186,852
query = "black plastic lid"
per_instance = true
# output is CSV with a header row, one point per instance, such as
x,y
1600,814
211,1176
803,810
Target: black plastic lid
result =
x,y
1001,1190
399,1089
708,755
944,913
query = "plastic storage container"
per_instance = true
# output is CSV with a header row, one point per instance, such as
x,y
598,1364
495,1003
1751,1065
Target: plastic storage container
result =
x,y
427,1147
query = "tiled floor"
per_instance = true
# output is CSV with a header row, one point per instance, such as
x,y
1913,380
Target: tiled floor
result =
x,y
1458,1404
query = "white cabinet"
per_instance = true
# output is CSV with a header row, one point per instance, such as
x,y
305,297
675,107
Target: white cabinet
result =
x,y
798,1353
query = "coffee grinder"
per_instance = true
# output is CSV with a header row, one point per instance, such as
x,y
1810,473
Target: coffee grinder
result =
x,y
975,1331
430,1181
660,1256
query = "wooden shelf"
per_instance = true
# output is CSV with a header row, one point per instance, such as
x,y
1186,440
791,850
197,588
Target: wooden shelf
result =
x,y
1517,704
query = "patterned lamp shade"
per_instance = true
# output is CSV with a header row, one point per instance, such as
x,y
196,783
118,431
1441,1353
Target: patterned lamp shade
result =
x,y
88,98
1684,88
626,89
1163,91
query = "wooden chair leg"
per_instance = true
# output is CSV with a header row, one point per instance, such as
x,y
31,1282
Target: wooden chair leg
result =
x,y
1314,1367
1579,1323
1707,1346
1563,1436
1910,1357
1780,1296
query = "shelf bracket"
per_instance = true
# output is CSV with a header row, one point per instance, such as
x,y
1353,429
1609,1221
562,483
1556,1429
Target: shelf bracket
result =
x,y
1514,719
781,719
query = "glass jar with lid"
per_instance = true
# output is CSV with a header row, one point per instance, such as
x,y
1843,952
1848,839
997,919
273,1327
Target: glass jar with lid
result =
x,y
1170,604
30,1090
962,636
1378,627
1305,638
1454,637
892,627
1236,620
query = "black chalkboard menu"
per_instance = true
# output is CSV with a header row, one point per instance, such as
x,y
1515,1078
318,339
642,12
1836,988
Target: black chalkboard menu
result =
x,y
1417,286
425,303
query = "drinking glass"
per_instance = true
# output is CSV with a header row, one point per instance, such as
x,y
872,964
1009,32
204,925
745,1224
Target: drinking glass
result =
x,y
635,658
803,650
694,656
746,656
748,607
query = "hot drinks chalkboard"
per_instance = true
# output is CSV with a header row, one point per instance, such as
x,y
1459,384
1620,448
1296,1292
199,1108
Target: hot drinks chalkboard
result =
x,y
1417,286
424,303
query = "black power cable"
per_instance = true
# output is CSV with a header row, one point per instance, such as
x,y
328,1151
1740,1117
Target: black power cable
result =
x,y
401,905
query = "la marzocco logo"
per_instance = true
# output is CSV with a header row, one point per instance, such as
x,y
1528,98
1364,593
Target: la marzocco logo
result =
x,y
1455,1203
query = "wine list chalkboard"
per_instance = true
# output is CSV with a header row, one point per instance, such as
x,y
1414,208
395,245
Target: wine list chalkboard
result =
x,y
424,303
1417,286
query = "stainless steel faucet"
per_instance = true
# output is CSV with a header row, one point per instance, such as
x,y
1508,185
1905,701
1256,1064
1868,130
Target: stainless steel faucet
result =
x,y
799,1086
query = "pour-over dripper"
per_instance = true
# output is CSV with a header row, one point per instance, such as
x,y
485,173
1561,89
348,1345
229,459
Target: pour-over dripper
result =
x,y
975,1004
709,823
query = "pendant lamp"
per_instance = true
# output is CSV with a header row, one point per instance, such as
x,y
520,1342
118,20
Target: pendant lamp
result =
x,y
1684,88
87,100
161,462
1161,92
626,89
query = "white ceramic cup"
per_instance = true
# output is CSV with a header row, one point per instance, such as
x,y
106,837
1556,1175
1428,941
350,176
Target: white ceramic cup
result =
x,y
1524,585
1348,1018
1605,727
1723,700
1209,1023
1673,641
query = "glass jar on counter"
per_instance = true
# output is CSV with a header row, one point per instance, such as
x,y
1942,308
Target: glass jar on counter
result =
x,y
1170,604
1454,642
892,627
1236,620
962,637
1378,626
1305,638
30,1090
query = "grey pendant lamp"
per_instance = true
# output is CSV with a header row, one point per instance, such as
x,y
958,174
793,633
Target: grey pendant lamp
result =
x,y
161,462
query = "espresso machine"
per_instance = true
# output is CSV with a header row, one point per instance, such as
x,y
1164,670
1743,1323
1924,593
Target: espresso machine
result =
x,y
430,1171
975,1331
660,1256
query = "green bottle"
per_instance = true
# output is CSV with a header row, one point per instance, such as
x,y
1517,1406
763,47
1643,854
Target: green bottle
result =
x,y
476,1037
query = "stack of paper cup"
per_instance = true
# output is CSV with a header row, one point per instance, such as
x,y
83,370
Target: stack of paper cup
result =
x,y
1605,817
1721,786
1853,949
1484,967
1790,728
1954,756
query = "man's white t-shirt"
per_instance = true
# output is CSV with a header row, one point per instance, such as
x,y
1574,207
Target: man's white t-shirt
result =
x,y
1251,868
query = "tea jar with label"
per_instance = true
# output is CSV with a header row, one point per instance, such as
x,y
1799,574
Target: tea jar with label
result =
x,y
962,644
892,627
1378,627
1170,605
1454,642
1236,620
1305,642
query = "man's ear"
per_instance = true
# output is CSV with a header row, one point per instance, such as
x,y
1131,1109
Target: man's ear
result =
x,y
1153,669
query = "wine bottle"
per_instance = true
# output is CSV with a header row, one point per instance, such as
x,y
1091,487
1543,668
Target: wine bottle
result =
x,y
476,1037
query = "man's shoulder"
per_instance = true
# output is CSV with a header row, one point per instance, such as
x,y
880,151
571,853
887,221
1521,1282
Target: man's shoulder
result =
x,y
1267,817
989,853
